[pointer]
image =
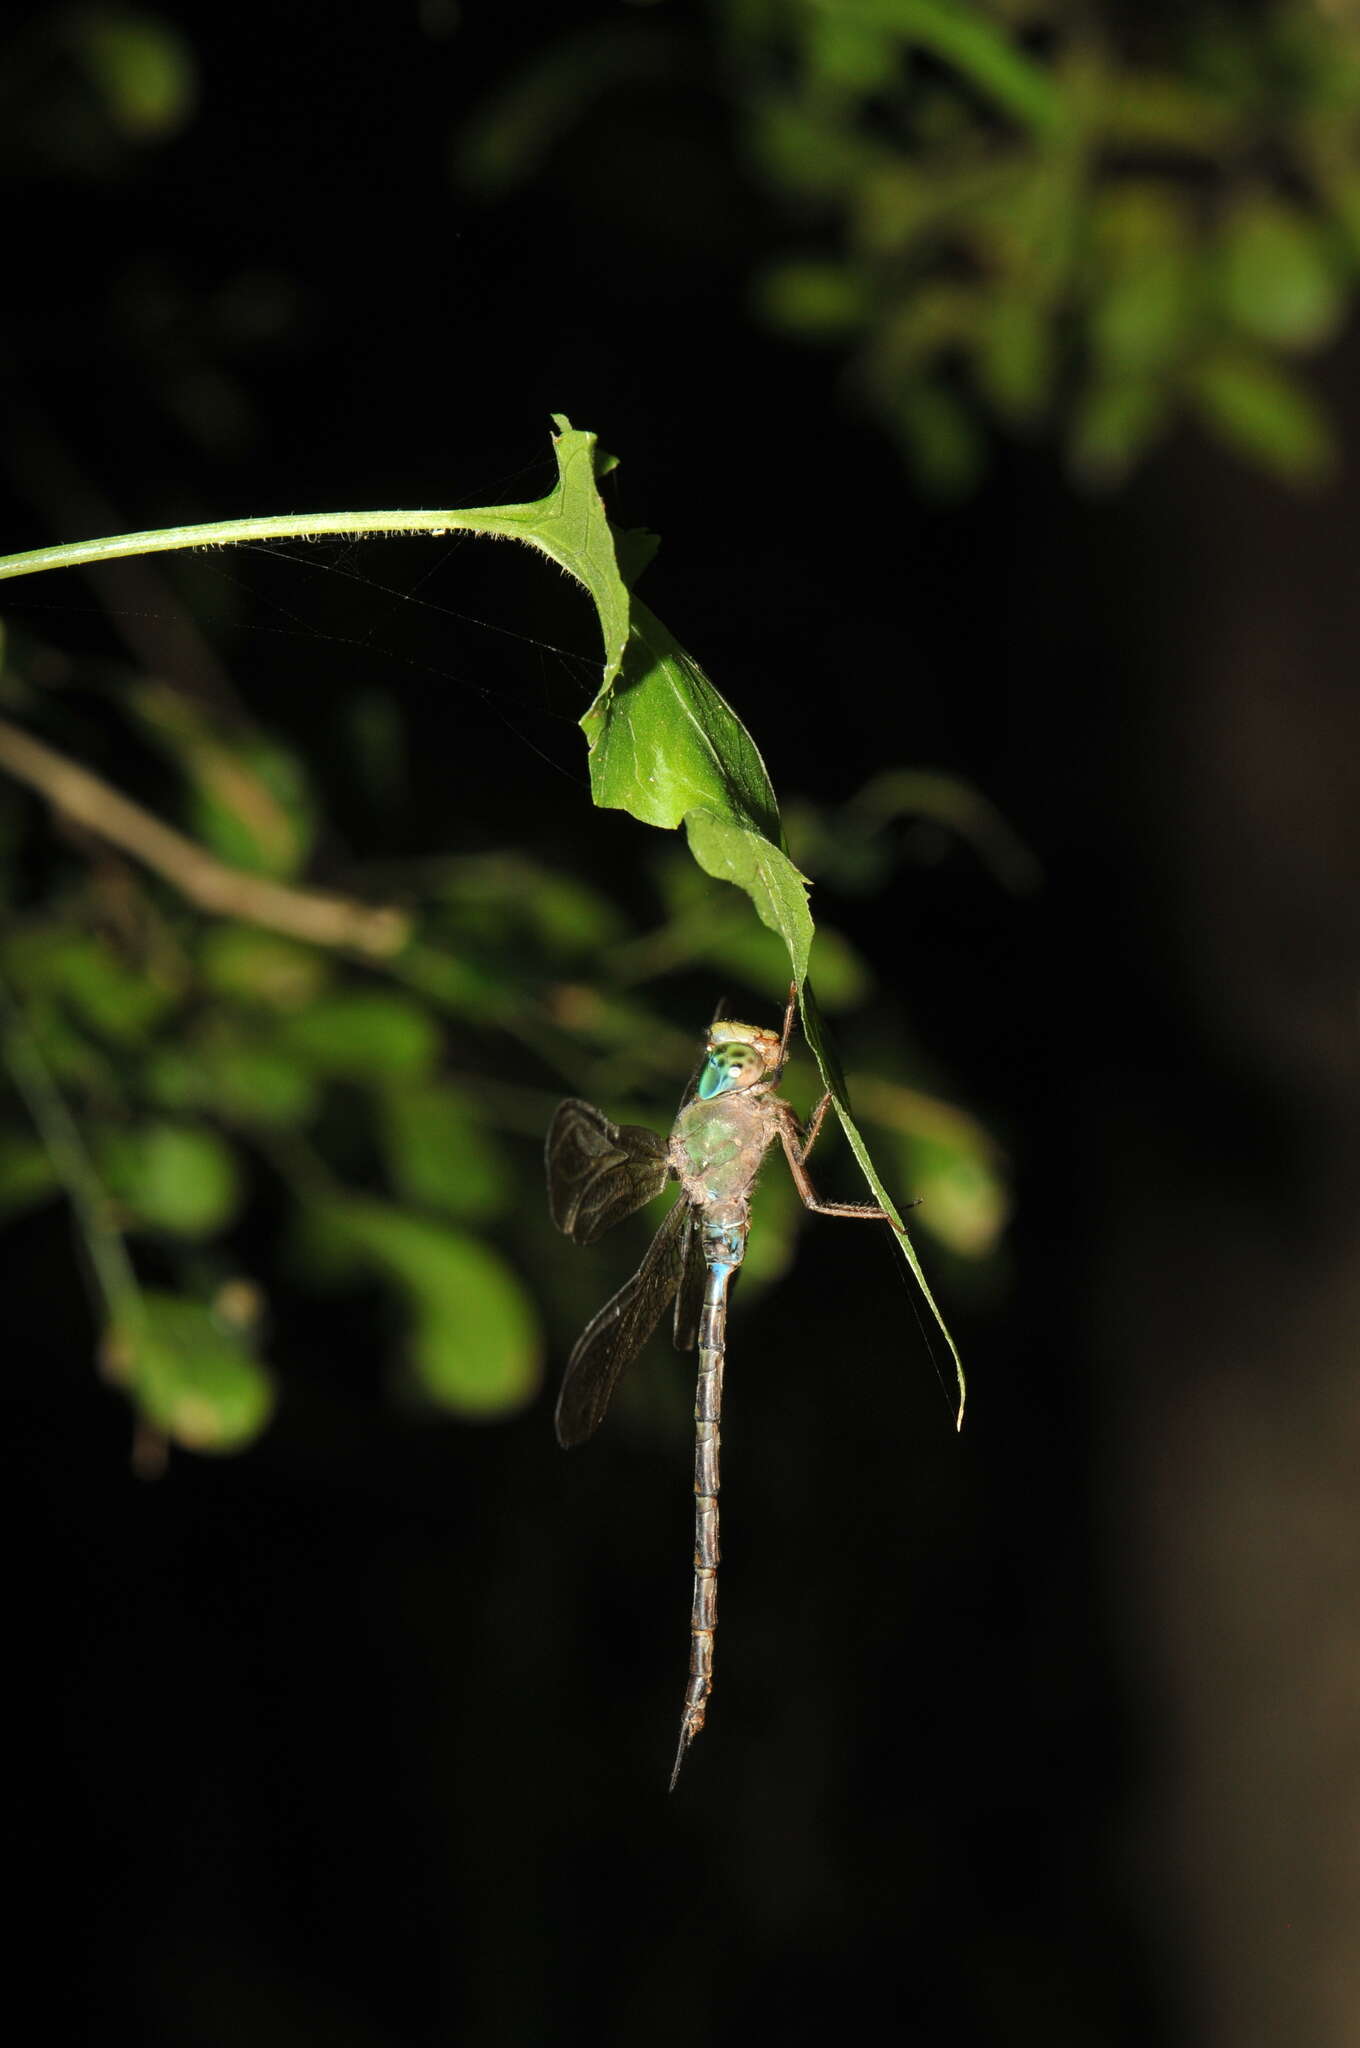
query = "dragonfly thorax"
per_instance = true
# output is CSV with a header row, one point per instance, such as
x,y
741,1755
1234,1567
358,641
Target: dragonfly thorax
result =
x,y
717,1146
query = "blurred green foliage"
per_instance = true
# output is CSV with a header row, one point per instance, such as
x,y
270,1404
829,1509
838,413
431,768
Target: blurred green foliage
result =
x,y
1062,219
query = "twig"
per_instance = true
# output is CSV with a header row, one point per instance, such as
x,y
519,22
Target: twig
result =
x,y
325,919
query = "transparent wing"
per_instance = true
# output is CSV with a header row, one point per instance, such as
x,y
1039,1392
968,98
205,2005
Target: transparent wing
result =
x,y
599,1172
617,1334
689,1299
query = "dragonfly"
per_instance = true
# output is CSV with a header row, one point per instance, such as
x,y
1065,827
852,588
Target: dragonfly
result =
x,y
600,1172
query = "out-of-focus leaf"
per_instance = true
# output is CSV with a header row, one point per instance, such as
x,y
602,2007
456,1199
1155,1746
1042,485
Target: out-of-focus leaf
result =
x,y
1265,414
778,1214
949,801
193,1375
440,1155
363,1035
248,796
175,1177
964,1202
1113,423
948,1160
242,1083
940,437
1159,110
252,805
260,967
984,51
119,1001
1144,286
473,1338
850,55
508,141
813,298
557,911
1277,280
26,1174
1015,356
143,68
800,149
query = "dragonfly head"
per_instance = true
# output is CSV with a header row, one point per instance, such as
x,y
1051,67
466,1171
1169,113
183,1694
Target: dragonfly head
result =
x,y
738,1056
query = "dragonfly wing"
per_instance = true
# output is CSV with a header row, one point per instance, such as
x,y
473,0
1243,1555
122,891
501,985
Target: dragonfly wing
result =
x,y
599,1172
617,1334
689,1299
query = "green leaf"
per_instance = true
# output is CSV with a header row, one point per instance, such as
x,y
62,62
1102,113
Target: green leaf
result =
x,y
1266,414
175,1177
737,853
193,1375
473,1339
665,746
570,526
364,1035
664,742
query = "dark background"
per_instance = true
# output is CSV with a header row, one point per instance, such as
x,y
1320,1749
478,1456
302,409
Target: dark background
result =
x,y
1038,1733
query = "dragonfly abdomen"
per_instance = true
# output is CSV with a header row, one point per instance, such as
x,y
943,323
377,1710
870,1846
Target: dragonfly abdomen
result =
x,y
724,1248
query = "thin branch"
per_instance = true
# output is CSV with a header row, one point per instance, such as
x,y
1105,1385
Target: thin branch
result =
x,y
324,919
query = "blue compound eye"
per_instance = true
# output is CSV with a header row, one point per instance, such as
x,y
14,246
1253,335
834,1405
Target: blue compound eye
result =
x,y
728,1067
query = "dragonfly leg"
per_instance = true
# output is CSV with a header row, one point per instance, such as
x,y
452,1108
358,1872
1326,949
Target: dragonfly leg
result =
x,y
797,1144
790,1012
